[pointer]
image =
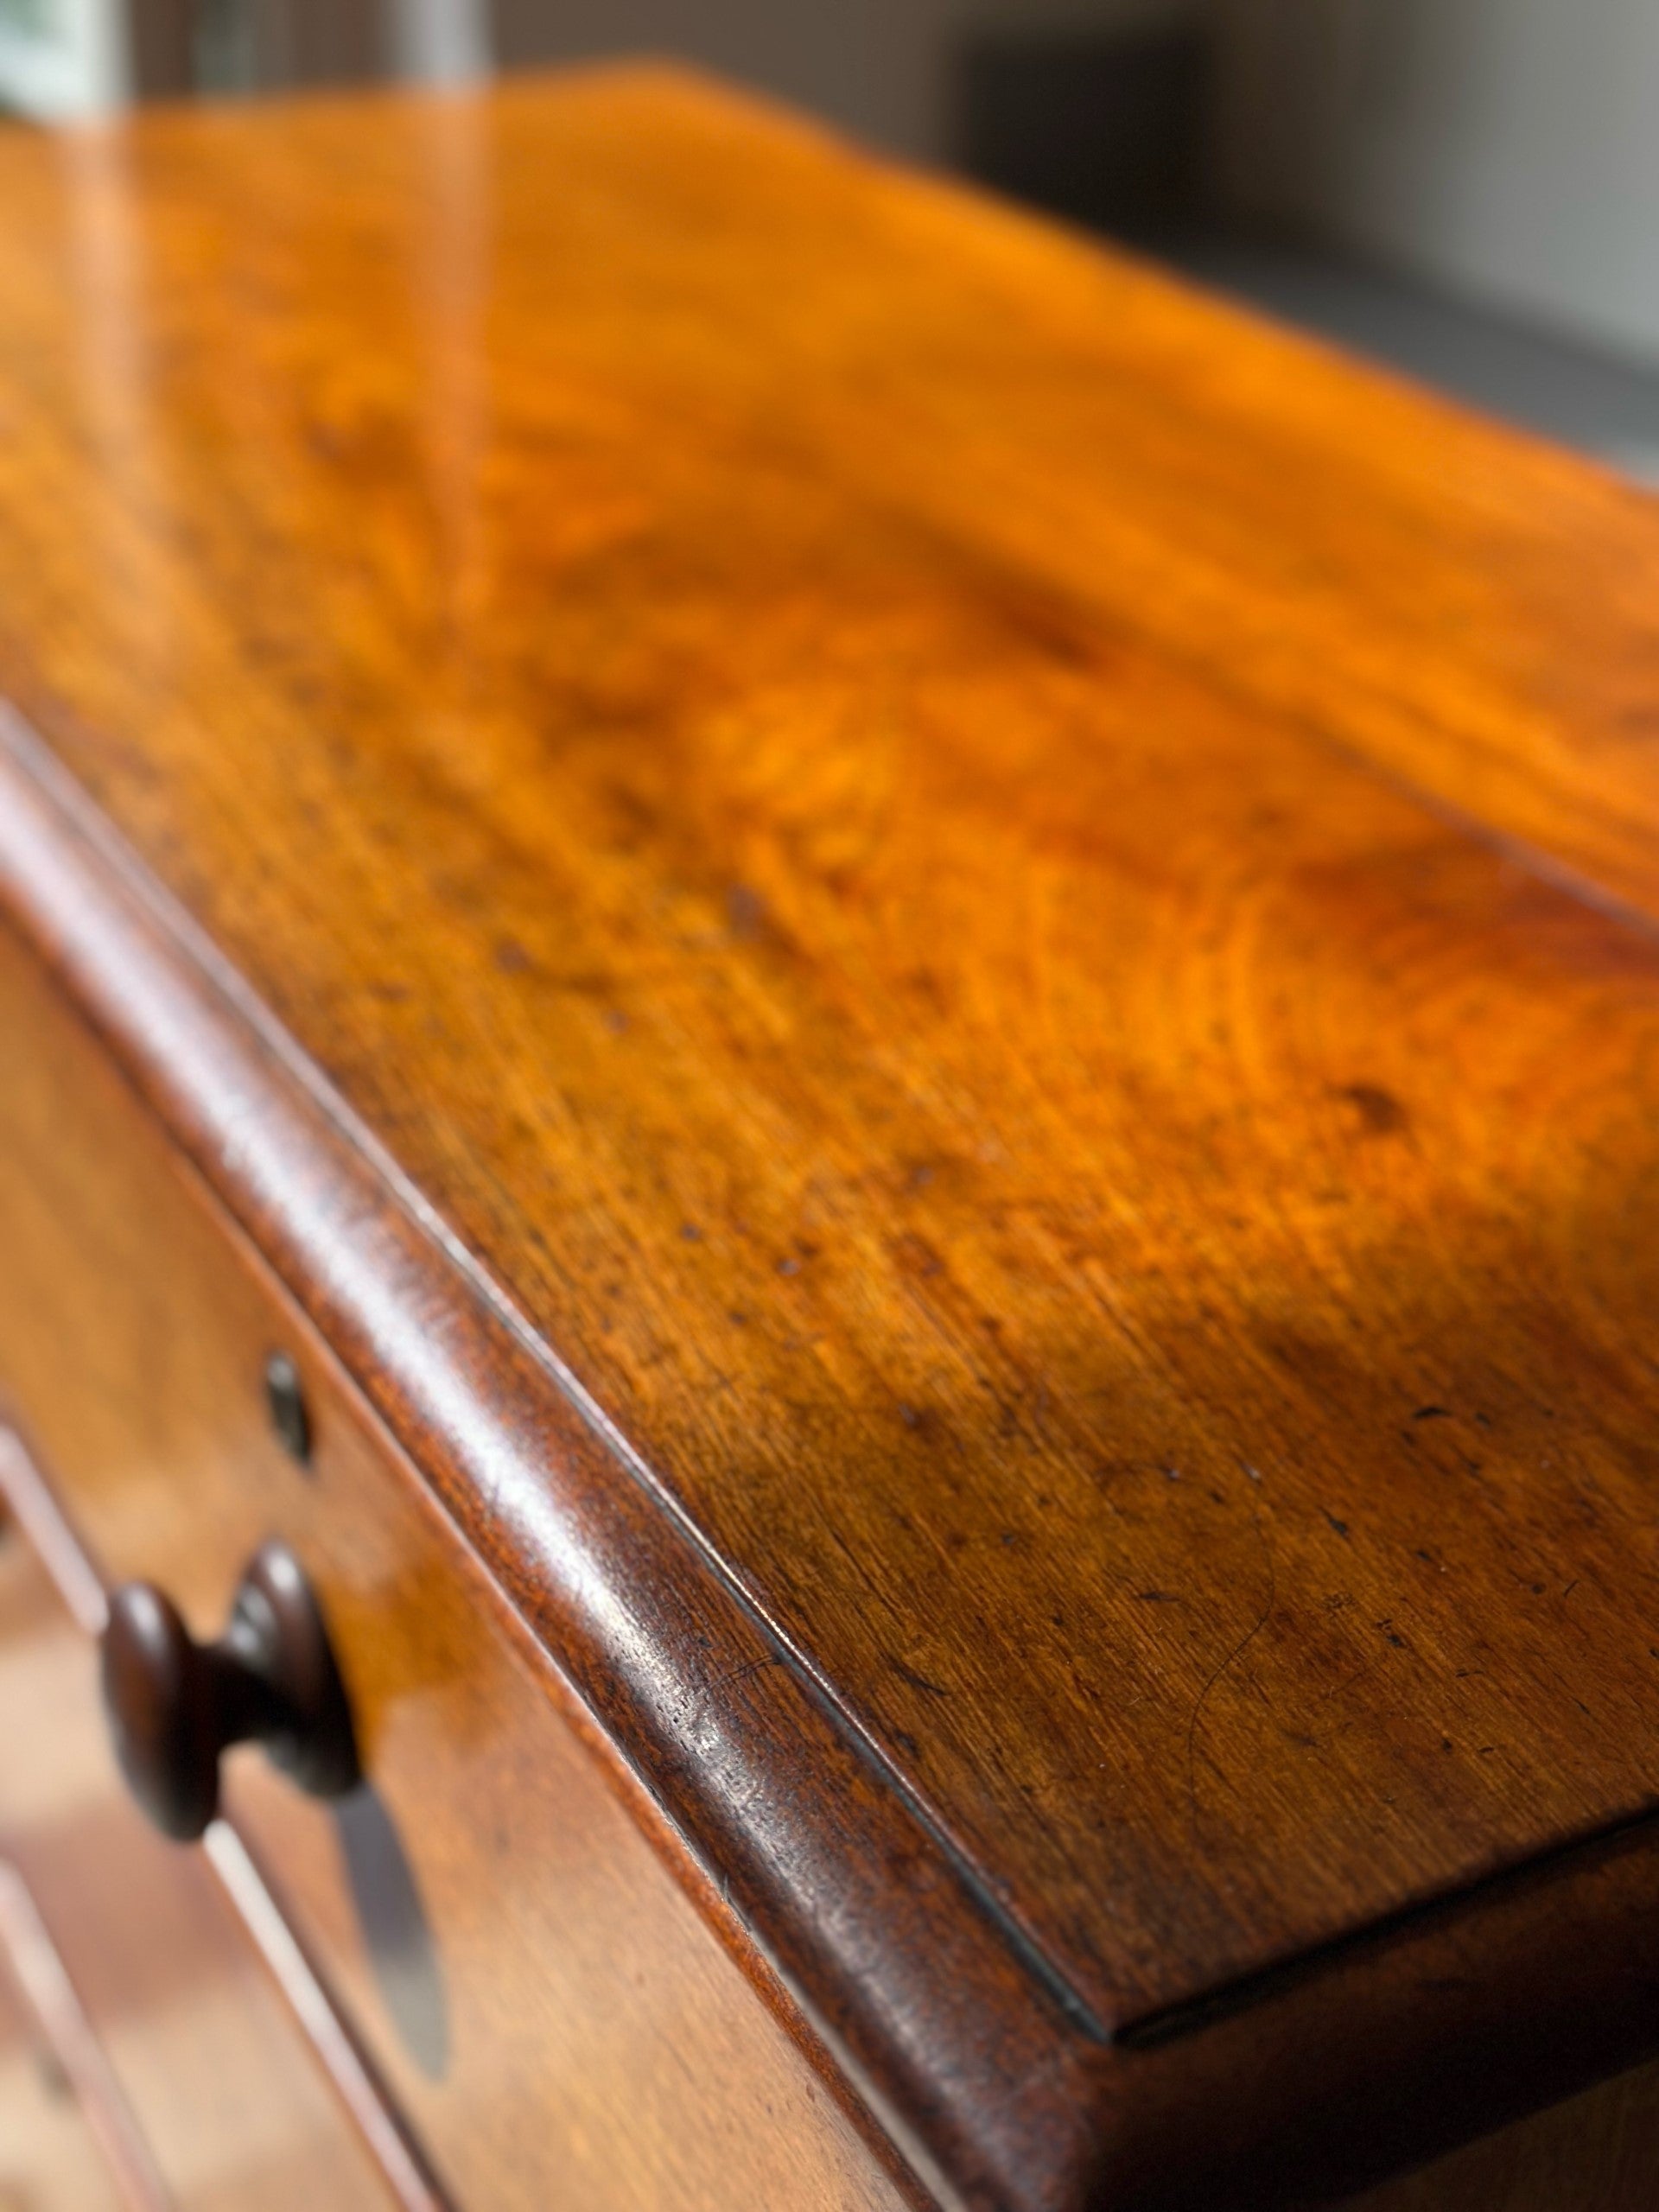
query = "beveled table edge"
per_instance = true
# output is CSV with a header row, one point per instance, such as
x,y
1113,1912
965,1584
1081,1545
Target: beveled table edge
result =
x,y
964,2043
927,2000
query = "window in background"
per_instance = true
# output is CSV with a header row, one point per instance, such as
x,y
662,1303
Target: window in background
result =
x,y
62,58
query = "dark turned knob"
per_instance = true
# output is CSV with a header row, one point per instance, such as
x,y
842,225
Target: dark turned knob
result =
x,y
175,1705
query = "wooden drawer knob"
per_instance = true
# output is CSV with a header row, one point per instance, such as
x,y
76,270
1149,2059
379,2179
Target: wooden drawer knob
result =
x,y
175,1705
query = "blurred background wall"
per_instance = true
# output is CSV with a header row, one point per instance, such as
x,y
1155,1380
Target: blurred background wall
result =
x,y
1508,150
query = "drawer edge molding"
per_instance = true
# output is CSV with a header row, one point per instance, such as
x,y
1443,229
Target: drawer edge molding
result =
x,y
42,1522
966,2045
286,1962
27,1950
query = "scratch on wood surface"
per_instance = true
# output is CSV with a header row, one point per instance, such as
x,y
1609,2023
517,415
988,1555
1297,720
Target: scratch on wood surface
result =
x,y
1231,1660
733,1675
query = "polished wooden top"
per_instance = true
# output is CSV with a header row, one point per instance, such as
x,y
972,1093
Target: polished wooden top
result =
x,y
1014,912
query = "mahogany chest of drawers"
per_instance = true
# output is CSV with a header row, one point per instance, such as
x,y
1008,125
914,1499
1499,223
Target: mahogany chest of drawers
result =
x,y
829,1217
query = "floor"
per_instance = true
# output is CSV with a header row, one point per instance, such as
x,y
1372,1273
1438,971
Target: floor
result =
x,y
1591,400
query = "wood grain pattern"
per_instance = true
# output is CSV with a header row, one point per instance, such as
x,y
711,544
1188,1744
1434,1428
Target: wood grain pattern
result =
x,y
545,2004
225,2108
1014,919
952,1078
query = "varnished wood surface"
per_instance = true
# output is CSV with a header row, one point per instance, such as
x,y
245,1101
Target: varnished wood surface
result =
x,y
1113,1218
547,2007
229,2110
922,844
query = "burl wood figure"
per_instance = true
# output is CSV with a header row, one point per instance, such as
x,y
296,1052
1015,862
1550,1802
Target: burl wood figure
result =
x,y
829,1140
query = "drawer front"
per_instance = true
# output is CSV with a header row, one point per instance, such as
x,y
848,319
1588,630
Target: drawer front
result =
x,y
192,2070
555,2015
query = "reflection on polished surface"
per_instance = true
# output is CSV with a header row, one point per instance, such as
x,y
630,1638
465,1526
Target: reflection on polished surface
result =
x,y
407,1969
